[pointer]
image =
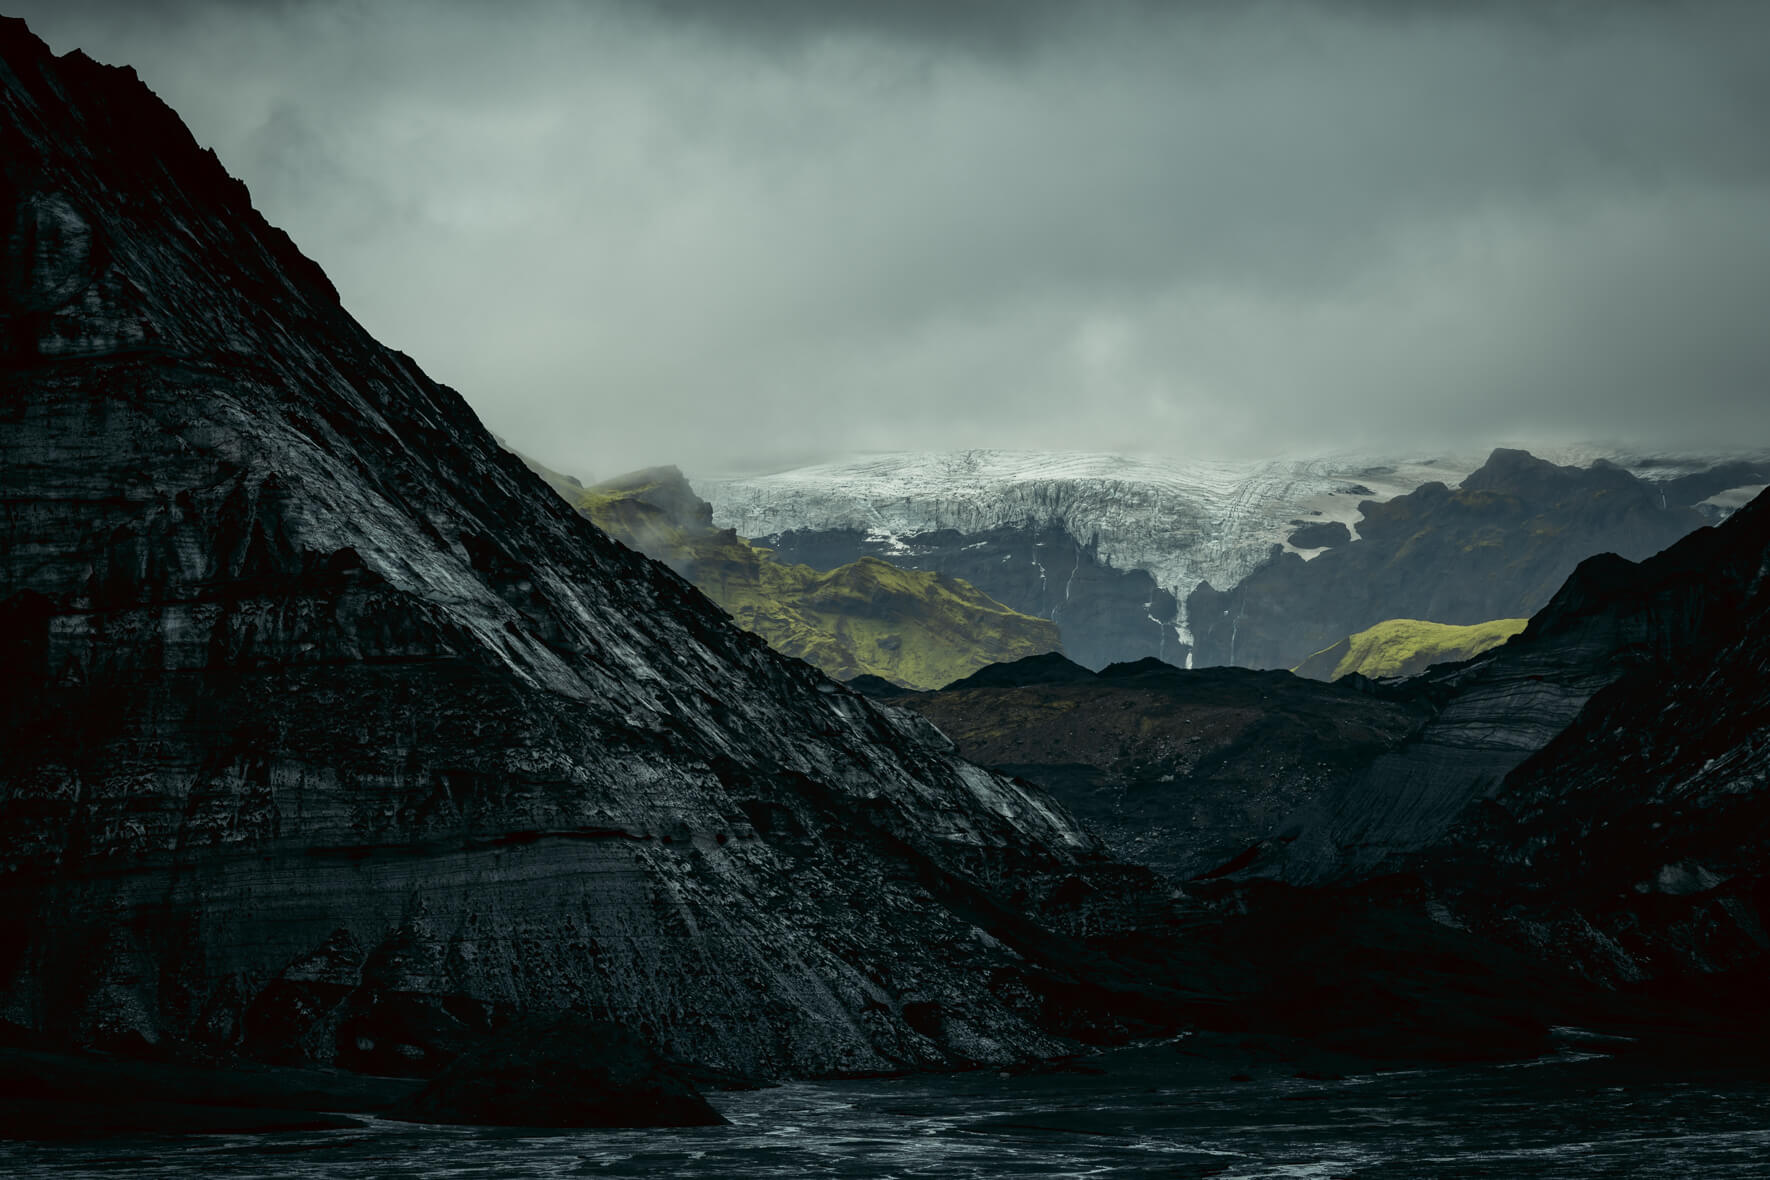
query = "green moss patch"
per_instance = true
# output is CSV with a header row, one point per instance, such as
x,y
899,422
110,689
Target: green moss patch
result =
x,y
1403,647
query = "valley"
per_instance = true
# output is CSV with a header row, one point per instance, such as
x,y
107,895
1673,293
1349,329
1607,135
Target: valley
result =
x,y
973,812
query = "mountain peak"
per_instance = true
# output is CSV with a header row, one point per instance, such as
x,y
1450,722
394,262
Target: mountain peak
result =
x,y
1511,471
89,276
329,734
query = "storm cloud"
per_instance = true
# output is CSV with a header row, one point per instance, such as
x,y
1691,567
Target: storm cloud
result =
x,y
727,235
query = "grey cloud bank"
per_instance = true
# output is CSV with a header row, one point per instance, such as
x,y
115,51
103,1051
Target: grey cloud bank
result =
x,y
729,235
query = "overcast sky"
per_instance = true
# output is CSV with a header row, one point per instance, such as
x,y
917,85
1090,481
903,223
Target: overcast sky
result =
x,y
735,233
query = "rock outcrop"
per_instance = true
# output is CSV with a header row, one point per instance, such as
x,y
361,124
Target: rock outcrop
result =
x,y
560,1071
329,734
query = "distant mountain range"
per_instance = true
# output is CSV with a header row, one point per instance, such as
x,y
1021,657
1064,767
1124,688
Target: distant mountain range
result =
x,y
1589,802
1257,564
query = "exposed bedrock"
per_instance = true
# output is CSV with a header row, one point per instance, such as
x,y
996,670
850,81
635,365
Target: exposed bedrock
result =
x,y
329,734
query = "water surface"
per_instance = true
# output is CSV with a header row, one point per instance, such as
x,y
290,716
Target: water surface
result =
x,y
1154,1113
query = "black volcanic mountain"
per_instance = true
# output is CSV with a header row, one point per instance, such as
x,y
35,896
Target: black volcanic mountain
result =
x,y
1178,769
1571,828
1596,794
1613,624
1497,547
330,734
1636,843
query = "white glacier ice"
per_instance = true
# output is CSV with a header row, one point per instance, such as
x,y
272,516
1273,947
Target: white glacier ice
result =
x,y
1182,520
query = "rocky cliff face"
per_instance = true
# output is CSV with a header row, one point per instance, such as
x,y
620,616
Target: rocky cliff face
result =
x,y
330,734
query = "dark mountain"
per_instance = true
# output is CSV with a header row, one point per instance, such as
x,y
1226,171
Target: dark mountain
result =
x,y
1572,828
1635,846
1612,621
1497,547
330,734
1594,796
1180,770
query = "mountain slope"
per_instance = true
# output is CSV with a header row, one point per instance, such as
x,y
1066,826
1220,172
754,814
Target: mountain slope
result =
x,y
1178,769
328,733
1613,621
1634,848
1497,547
866,618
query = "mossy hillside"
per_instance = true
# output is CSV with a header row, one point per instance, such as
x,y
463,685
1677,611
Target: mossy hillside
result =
x,y
914,628
568,486
1403,647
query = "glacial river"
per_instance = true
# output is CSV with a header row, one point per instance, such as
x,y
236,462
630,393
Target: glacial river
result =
x,y
1151,1115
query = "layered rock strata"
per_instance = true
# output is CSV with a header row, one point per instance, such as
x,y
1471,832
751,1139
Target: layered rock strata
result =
x,y
330,734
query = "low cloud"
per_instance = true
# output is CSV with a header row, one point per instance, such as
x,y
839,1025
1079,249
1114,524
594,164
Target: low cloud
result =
x,y
739,234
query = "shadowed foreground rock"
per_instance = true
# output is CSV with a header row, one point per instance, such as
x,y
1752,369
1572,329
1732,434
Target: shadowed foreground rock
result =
x,y
560,1071
329,735
46,1095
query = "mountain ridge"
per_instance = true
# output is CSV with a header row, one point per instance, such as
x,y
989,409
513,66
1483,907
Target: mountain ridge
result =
x,y
1141,556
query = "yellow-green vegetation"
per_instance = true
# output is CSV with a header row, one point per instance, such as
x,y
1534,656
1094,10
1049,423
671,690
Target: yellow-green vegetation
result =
x,y
913,627
569,486
1402,647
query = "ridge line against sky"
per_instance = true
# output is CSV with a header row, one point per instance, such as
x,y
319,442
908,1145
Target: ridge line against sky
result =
x,y
743,235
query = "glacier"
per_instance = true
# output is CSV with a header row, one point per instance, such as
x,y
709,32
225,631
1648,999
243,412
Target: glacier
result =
x,y
1183,520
